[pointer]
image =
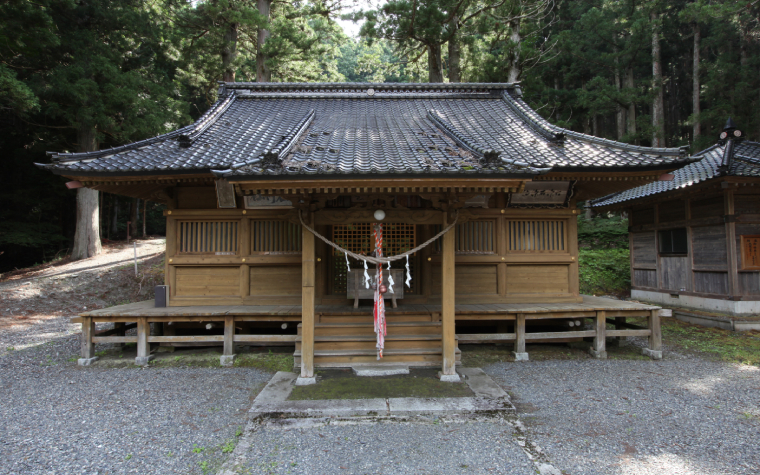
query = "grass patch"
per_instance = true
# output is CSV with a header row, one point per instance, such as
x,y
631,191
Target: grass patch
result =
x,y
714,343
342,384
272,362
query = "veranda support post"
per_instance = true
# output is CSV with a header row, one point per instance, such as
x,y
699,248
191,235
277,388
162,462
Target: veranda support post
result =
x,y
599,350
307,306
143,347
87,346
447,311
655,336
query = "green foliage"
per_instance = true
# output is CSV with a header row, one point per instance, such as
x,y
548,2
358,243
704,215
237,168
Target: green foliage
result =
x,y
724,345
603,232
604,271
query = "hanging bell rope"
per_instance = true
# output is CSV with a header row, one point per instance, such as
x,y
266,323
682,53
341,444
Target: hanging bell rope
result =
x,y
380,260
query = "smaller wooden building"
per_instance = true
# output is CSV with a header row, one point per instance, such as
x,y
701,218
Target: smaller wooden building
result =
x,y
695,235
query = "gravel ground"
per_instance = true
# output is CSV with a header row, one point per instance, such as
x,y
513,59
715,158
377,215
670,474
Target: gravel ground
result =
x,y
675,416
387,448
59,418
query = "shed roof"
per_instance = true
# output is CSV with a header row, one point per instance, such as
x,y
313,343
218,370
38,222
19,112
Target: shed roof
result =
x,y
279,130
744,162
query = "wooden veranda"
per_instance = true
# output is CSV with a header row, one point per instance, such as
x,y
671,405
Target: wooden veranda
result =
x,y
343,335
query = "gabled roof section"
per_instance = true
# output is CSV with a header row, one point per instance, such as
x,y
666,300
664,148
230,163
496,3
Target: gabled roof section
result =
x,y
271,130
745,162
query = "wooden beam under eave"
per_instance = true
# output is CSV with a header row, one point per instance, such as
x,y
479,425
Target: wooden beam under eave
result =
x,y
369,185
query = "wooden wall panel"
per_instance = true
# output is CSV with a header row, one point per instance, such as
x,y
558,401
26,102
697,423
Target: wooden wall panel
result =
x,y
645,278
641,217
670,211
746,204
537,279
207,281
749,283
275,281
470,279
644,251
196,197
674,273
711,282
709,246
707,207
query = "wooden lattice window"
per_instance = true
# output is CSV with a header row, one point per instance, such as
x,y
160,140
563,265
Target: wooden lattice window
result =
x,y
208,237
472,237
359,238
750,252
275,237
530,235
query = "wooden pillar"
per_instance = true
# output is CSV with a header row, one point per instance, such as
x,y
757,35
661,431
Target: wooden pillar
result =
x,y
655,337
599,349
307,304
448,301
228,350
520,354
733,273
143,348
572,248
120,330
88,347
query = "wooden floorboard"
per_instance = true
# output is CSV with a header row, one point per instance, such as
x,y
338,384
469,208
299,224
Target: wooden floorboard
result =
x,y
146,309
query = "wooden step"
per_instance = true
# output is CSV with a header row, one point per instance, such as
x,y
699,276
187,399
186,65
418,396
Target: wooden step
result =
x,y
430,328
370,319
351,344
346,358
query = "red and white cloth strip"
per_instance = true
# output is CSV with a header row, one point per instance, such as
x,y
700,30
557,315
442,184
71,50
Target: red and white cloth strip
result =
x,y
380,326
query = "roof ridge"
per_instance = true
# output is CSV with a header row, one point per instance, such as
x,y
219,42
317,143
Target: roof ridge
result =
x,y
554,133
384,86
192,131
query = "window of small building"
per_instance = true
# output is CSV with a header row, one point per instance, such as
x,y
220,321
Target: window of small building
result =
x,y
674,241
750,250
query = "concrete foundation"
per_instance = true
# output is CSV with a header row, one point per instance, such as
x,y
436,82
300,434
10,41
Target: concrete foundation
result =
x,y
520,356
732,307
143,360
602,355
655,355
305,381
87,361
227,360
449,378
380,370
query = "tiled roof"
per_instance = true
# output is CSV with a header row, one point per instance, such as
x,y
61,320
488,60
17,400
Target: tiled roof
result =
x,y
745,162
274,129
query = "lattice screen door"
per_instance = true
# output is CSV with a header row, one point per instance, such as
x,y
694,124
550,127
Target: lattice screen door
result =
x,y
359,238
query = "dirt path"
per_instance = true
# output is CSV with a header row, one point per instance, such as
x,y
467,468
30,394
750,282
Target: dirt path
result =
x,y
36,304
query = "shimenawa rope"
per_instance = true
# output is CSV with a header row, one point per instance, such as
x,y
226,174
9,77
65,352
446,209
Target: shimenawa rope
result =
x,y
379,260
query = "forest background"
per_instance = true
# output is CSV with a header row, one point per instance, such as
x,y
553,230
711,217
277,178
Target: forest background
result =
x,y
79,75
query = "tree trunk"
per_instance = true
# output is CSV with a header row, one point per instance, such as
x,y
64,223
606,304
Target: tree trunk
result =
x,y
695,84
229,53
631,119
115,217
263,73
145,218
87,234
134,215
435,66
658,104
620,112
455,52
513,74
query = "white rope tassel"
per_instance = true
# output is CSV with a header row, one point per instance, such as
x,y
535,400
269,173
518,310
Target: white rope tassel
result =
x,y
348,266
408,273
366,276
390,279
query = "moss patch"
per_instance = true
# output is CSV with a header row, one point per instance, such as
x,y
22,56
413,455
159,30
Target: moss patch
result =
x,y
714,343
343,384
